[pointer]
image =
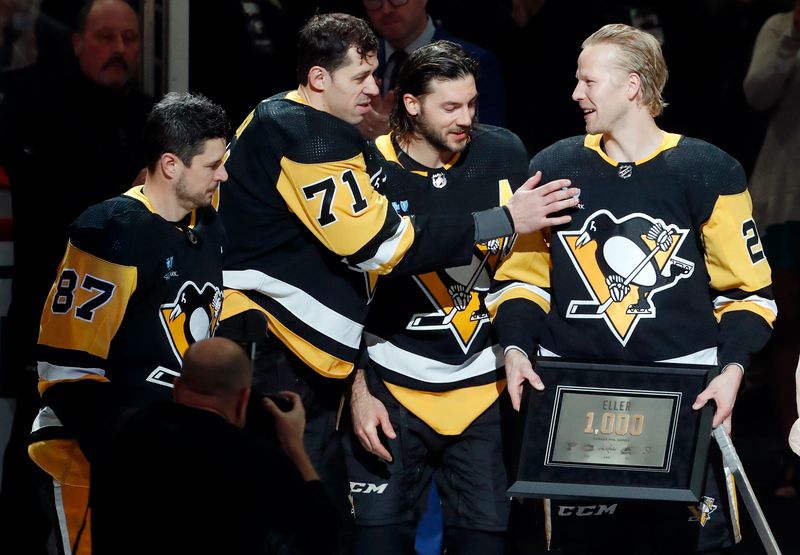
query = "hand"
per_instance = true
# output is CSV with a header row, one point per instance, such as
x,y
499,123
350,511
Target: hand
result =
x,y
289,425
531,205
376,121
369,414
723,390
518,370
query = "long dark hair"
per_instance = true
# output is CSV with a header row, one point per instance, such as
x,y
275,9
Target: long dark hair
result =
x,y
442,61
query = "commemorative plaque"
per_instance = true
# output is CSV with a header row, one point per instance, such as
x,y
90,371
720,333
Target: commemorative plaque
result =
x,y
614,431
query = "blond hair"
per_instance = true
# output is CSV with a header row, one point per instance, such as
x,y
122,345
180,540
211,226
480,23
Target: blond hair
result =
x,y
639,52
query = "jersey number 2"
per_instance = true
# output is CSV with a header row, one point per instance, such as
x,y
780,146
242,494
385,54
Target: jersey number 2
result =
x,y
65,294
327,188
753,241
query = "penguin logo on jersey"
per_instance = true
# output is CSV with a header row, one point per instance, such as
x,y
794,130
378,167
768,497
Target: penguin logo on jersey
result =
x,y
458,295
624,263
193,316
702,512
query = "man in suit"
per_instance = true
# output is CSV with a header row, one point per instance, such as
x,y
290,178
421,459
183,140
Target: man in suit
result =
x,y
403,26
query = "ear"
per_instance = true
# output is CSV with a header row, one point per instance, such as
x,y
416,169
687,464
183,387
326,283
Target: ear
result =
x,y
77,43
318,78
412,104
633,86
169,165
241,407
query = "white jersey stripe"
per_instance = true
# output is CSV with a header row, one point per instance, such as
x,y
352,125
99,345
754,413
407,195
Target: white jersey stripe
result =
x,y
386,251
430,370
768,304
305,307
706,356
495,295
53,372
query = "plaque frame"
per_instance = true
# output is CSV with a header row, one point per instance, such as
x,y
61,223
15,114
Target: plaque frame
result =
x,y
538,474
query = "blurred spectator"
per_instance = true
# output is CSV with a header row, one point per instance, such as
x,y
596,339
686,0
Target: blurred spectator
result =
x,y
403,26
185,477
67,140
773,83
17,39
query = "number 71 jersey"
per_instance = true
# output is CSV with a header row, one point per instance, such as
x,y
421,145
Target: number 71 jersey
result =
x,y
301,214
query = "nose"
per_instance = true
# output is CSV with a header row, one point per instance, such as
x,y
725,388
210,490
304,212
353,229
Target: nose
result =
x,y
386,7
464,116
371,86
578,92
221,174
119,43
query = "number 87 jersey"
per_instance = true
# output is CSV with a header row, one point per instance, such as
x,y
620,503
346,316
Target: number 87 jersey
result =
x,y
133,291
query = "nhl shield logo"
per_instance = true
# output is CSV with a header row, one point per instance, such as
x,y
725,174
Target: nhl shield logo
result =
x,y
625,170
439,180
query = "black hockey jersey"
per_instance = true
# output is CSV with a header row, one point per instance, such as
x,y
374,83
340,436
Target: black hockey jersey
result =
x,y
661,261
429,336
301,214
133,291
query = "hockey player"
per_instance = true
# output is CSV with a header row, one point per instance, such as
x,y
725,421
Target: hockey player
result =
x,y
140,281
301,215
432,385
661,262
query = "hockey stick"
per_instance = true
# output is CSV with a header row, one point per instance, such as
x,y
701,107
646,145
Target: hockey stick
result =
x,y
601,309
437,320
734,464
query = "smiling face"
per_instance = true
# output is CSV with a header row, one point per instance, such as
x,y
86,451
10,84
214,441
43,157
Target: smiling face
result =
x,y
199,180
603,90
351,87
444,116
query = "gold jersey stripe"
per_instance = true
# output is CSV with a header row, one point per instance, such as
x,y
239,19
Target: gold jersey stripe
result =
x,y
732,262
448,412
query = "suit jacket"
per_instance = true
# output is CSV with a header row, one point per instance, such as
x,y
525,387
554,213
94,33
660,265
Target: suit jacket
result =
x,y
491,89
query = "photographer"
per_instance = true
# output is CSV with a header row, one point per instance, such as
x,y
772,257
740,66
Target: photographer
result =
x,y
185,477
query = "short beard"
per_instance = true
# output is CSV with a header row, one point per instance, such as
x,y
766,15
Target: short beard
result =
x,y
436,139
187,201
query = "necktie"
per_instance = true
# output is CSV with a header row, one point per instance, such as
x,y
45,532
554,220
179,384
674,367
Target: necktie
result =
x,y
393,65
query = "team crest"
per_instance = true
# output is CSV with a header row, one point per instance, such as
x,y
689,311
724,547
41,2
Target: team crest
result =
x,y
624,264
702,512
458,295
193,316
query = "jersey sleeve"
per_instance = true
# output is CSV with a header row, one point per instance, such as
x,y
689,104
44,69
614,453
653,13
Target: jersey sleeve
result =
x,y
83,312
324,178
80,318
520,295
740,279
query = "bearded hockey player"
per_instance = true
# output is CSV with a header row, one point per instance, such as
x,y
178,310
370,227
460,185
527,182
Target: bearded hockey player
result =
x,y
433,383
